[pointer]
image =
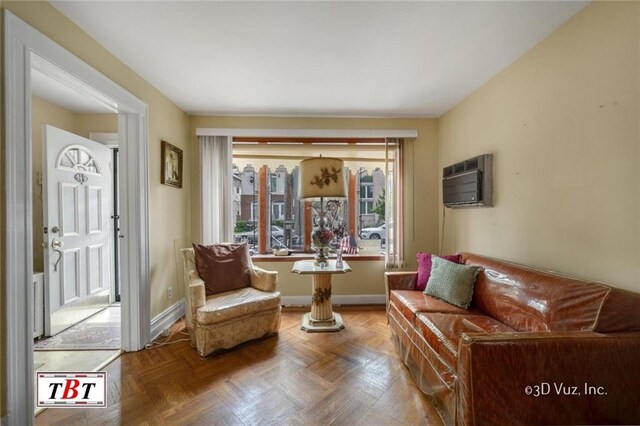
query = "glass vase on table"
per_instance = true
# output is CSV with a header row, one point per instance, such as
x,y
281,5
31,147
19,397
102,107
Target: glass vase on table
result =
x,y
339,264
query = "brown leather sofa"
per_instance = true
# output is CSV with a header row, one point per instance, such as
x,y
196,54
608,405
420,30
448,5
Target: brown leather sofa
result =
x,y
534,347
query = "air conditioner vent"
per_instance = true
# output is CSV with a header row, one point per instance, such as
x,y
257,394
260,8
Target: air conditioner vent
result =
x,y
469,183
471,164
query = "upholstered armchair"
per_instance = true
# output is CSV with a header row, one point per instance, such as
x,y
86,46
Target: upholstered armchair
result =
x,y
224,320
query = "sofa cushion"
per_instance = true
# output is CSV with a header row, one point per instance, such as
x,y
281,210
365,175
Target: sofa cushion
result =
x,y
532,300
231,304
424,267
410,302
223,267
451,282
442,331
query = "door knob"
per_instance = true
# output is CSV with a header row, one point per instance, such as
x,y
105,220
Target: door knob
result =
x,y
56,244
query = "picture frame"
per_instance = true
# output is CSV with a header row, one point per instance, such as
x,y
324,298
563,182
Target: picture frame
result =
x,y
170,165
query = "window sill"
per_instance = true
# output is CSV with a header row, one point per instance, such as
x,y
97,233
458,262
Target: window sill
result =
x,y
309,256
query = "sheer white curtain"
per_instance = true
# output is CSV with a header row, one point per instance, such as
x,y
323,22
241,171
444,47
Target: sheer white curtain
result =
x,y
394,255
216,182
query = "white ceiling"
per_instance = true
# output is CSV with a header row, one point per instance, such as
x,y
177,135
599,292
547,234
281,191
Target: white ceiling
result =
x,y
394,59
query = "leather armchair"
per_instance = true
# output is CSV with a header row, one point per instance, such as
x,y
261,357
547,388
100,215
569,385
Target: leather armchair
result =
x,y
224,320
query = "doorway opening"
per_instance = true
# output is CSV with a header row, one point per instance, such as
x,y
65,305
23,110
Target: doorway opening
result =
x,y
75,229
25,47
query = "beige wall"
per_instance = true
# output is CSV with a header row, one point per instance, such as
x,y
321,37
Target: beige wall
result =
x,y
421,167
44,112
95,123
563,125
169,207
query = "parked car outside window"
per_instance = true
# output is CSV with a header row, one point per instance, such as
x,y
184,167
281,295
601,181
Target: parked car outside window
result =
x,y
276,238
377,233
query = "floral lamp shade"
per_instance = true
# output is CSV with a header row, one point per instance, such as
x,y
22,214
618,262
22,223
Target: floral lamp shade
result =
x,y
321,177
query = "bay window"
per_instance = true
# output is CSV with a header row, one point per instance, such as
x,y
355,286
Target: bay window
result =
x,y
271,215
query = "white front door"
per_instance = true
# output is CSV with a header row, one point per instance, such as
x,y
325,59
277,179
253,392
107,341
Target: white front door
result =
x,y
77,208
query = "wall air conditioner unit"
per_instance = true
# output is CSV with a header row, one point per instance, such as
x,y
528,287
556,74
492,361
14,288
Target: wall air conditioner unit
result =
x,y
469,183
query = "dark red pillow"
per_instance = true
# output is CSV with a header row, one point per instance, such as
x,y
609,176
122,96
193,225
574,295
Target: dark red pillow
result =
x,y
223,267
424,267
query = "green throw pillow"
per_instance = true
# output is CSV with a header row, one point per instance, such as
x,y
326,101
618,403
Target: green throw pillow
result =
x,y
451,282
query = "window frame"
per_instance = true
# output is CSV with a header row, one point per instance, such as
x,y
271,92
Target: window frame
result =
x,y
355,224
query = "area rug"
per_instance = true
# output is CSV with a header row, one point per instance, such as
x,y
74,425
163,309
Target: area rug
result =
x,y
101,331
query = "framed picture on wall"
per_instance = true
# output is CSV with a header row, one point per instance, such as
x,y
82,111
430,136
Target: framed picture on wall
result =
x,y
171,165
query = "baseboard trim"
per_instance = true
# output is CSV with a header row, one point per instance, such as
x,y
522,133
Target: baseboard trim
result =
x,y
166,318
348,299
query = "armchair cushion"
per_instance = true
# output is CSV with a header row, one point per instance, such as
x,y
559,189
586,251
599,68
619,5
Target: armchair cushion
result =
x,y
223,267
225,306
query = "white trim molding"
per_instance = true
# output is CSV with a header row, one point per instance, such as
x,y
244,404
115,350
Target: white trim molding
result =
x,y
22,44
62,77
108,139
346,299
308,133
166,318
134,229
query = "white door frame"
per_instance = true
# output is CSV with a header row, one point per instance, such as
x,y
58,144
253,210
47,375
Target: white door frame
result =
x,y
20,41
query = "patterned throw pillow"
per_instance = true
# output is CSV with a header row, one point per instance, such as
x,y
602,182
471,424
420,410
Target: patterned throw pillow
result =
x,y
451,282
424,267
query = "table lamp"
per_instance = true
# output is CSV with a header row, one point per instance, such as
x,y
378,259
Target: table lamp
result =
x,y
319,178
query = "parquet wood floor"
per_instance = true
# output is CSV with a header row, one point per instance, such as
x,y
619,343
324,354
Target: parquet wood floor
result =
x,y
353,377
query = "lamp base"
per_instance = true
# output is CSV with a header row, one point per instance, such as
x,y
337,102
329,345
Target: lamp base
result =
x,y
321,256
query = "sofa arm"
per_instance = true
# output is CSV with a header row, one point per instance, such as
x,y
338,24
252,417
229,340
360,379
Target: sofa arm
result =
x,y
196,296
405,280
548,378
263,280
